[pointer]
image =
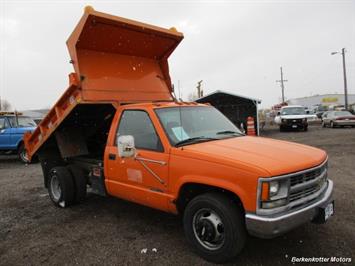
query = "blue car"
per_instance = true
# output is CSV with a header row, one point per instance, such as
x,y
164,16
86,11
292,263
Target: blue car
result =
x,y
12,129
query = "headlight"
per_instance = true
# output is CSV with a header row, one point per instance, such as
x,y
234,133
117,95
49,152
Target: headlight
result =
x,y
274,188
274,193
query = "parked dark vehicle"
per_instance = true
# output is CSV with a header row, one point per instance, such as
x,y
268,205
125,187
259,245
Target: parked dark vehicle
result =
x,y
338,118
320,110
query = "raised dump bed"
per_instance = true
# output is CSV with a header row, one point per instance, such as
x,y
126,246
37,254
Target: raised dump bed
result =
x,y
116,61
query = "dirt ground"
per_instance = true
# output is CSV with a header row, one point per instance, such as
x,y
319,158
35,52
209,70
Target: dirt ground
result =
x,y
110,231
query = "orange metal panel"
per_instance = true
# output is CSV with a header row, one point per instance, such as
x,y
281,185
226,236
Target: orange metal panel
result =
x,y
121,77
71,97
115,57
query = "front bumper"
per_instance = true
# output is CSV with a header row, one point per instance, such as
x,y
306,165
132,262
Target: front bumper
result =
x,y
292,123
269,227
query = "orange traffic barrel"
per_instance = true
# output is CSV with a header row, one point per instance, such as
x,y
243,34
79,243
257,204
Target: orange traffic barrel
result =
x,y
250,126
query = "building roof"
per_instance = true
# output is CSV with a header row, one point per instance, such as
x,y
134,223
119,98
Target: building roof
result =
x,y
322,95
232,94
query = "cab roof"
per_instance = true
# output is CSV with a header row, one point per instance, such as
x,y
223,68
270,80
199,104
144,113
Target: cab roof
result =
x,y
160,104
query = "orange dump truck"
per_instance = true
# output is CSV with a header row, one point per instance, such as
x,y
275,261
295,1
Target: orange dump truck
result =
x,y
119,131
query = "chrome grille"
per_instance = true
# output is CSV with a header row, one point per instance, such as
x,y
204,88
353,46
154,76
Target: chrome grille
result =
x,y
293,121
306,191
307,185
307,176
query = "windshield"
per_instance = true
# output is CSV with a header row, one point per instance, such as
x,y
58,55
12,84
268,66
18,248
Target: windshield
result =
x,y
22,121
293,111
342,113
198,123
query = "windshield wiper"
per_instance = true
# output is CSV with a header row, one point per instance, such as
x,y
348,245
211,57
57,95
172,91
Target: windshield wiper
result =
x,y
193,140
229,132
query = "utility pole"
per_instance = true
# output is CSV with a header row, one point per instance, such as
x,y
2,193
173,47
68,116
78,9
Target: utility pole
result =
x,y
344,76
199,89
282,85
345,82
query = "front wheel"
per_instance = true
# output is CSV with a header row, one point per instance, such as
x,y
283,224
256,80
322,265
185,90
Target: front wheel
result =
x,y
214,227
22,154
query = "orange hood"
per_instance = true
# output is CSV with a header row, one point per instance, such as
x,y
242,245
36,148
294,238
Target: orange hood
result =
x,y
267,156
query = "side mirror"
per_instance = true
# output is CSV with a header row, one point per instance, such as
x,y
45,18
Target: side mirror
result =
x,y
278,113
125,145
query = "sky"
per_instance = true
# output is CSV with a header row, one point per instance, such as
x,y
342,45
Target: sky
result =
x,y
235,46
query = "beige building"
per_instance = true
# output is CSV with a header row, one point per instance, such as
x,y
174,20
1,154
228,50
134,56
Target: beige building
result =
x,y
325,99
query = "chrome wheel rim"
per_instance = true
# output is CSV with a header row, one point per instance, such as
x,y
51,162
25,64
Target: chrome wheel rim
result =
x,y
55,188
23,155
208,229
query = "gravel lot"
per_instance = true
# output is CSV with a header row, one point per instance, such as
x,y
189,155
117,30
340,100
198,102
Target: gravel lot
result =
x,y
111,231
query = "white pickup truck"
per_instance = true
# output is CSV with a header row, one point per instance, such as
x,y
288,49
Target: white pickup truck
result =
x,y
292,117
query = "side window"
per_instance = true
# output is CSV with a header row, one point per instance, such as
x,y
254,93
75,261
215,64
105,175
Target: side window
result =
x,y
12,121
138,124
3,123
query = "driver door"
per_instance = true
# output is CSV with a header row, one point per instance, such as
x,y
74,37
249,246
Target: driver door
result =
x,y
144,178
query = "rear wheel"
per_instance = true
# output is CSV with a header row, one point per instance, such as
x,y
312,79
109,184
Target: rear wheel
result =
x,y
61,187
214,227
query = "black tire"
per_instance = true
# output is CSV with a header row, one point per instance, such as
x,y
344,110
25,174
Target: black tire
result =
x,y
230,215
80,183
21,152
64,196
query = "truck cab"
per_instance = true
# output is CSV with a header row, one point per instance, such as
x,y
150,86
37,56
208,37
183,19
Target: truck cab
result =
x,y
12,128
119,129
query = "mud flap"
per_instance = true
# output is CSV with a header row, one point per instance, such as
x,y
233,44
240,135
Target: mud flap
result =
x,y
97,181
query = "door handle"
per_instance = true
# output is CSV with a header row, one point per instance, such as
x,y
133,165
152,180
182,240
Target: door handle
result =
x,y
111,156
